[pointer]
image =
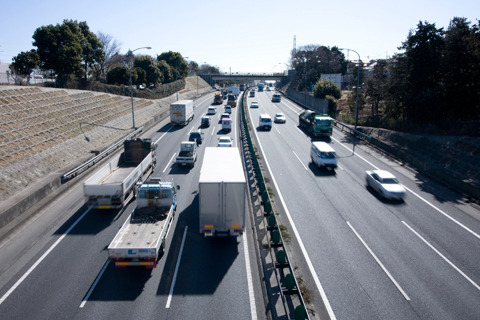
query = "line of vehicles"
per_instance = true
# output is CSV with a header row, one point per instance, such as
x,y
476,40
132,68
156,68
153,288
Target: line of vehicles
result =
x,y
141,240
222,188
322,154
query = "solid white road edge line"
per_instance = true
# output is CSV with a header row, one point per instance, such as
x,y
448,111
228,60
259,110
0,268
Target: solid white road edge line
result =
x,y
170,294
251,292
379,263
84,301
417,195
300,242
26,274
168,164
442,256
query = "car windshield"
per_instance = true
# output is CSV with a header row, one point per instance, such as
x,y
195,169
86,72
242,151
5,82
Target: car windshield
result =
x,y
224,140
390,181
327,155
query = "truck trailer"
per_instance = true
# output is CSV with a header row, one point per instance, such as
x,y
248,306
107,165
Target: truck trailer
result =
x,y
141,240
222,193
181,112
113,185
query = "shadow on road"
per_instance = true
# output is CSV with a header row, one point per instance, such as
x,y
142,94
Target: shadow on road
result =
x,y
204,261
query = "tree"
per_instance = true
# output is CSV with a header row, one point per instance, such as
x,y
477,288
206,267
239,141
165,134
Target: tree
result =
x,y
332,105
166,71
208,69
192,67
176,62
423,49
92,50
376,86
352,100
59,48
153,74
460,70
24,63
111,49
64,48
325,88
311,61
120,75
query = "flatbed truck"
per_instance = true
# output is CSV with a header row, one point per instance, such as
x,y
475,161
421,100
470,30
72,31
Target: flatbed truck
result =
x,y
113,185
142,238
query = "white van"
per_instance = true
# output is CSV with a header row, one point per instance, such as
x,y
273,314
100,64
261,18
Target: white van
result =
x,y
265,121
323,155
227,124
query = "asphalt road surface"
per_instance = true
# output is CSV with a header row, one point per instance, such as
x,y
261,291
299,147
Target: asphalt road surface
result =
x,y
55,266
372,258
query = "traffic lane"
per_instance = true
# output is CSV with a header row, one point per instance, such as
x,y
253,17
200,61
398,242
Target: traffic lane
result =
x,y
449,229
32,235
212,280
410,262
230,274
319,222
63,274
126,293
323,189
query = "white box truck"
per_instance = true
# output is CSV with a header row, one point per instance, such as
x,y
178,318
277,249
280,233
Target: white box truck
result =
x,y
141,240
222,193
113,185
181,112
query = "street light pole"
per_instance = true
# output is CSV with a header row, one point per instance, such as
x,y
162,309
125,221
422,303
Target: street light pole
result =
x,y
358,85
130,52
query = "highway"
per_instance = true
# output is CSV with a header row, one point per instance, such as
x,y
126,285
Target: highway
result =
x,y
369,258
372,258
55,265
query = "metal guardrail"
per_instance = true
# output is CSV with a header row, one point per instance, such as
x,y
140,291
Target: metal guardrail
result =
x,y
352,130
276,242
84,166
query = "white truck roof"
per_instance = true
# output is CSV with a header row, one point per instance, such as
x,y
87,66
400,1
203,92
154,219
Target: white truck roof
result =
x,y
222,165
181,102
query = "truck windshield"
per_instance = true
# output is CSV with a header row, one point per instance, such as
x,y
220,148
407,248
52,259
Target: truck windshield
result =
x,y
323,122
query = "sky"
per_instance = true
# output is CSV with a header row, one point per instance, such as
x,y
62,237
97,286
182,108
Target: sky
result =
x,y
236,36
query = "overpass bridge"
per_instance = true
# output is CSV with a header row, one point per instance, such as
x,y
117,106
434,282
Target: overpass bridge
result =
x,y
246,77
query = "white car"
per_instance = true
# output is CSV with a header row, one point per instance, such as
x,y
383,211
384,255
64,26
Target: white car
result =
x,y
225,142
211,110
385,184
254,104
280,118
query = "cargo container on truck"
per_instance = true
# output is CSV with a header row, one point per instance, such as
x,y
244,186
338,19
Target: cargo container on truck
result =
x,y
181,112
141,240
222,193
113,185
234,90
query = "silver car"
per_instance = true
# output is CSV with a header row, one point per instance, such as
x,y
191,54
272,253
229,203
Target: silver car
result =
x,y
280,118
385,184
